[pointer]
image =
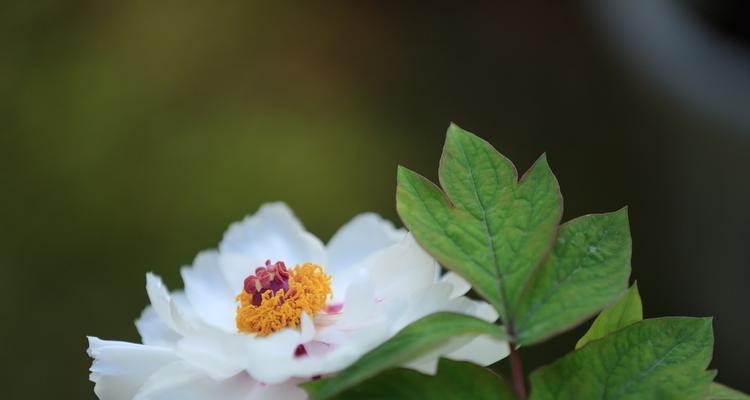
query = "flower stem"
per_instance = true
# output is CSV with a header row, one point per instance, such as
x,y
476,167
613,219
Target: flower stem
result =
x,y
515,362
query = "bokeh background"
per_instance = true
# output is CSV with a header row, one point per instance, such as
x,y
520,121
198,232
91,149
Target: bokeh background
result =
x,y
132,133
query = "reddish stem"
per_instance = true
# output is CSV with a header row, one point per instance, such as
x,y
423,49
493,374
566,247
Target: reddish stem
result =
x,y
515,362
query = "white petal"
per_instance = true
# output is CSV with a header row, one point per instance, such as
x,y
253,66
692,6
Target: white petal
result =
x,y
154,331
276,351
358,238
208,292
221,355
217,354
428,367
424,302
174,313
272,233
306,328
485,311
400,270
359,303
159,297
460,285
483,350
181,381
119,368
362,325
338,356
285,390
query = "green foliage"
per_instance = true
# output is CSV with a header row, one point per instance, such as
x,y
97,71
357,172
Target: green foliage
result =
x,y
645,360
492,228
454,381
496,231
717,391
588,269
411,342
628,310
503,236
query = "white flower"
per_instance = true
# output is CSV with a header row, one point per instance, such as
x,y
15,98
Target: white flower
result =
x,y
195,345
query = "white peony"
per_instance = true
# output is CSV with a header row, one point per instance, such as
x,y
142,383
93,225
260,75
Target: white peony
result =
x,y
194,346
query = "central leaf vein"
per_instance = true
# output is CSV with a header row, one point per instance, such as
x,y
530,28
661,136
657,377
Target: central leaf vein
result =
x,y
488,231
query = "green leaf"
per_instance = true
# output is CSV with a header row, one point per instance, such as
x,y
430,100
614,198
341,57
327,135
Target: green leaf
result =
x,y
454,381
489,227
696,389
651,359
628,310
717,391
587,270
415,340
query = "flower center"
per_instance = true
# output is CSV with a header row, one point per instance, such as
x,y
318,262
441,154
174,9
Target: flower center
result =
x,y
274,298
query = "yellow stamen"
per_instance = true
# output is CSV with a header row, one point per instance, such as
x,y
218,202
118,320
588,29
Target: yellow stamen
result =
x,y
309,288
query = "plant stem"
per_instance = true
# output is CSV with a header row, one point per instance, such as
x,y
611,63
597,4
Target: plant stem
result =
x,y
515,362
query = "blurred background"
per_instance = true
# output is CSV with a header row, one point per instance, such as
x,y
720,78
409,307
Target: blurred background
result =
x,y
133,133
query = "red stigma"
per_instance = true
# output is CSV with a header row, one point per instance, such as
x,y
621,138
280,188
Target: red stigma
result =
x,y
300,351
273,277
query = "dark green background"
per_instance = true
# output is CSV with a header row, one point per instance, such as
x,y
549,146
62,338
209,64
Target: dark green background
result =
x,y
133,133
